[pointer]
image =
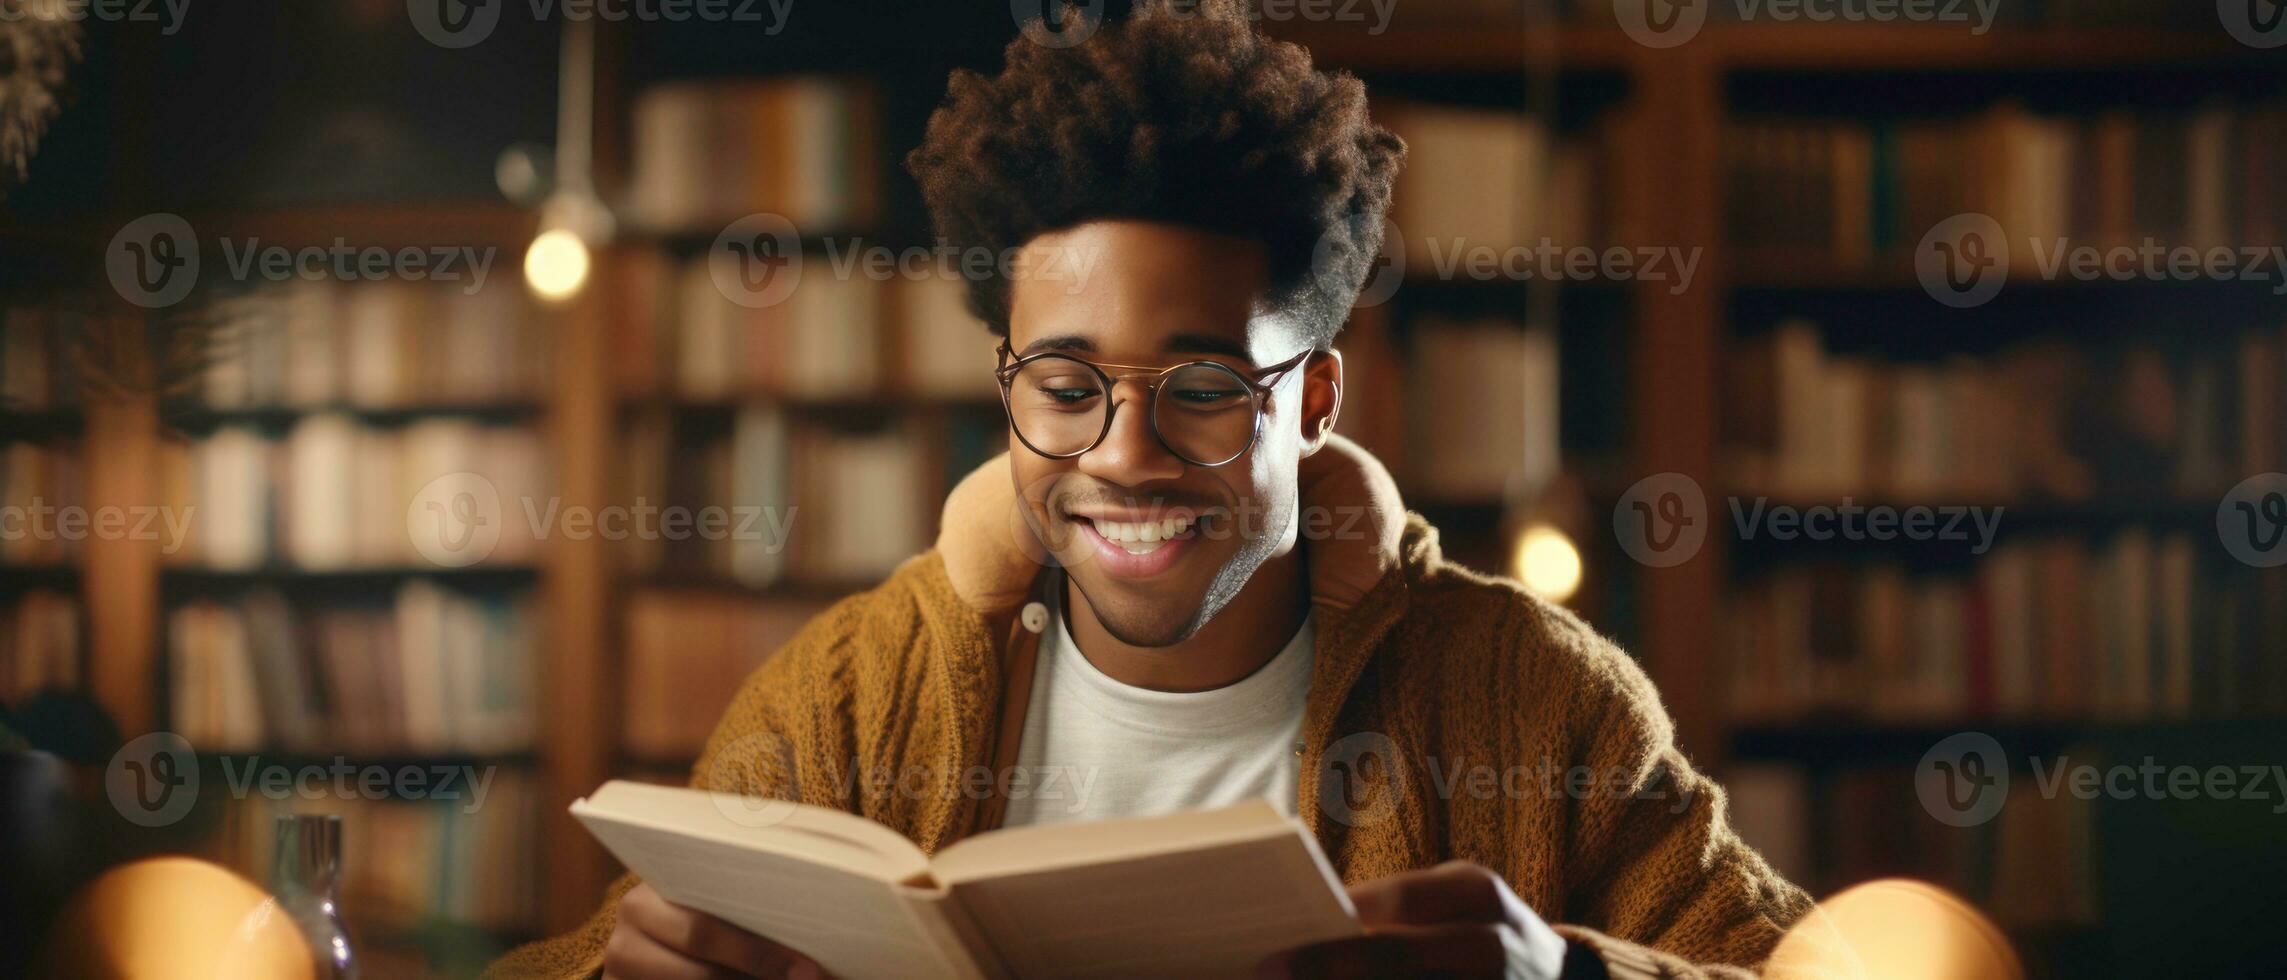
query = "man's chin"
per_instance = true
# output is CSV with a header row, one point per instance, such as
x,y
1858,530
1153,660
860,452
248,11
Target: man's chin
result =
x,y
1140,621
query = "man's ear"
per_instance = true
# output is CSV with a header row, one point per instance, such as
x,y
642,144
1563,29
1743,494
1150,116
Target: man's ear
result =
x,y
1321,398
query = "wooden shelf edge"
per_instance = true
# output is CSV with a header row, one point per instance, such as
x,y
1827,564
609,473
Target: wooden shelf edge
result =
x,y
1764,47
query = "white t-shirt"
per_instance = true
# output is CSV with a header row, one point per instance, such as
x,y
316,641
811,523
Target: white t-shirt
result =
x,y
1097,749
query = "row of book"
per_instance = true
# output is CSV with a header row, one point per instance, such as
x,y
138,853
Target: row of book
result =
x,y
835,335
1861,188
430,670
334,493
687,654
2047,418
376,344
2136,626
37,345
806,148
38,483
410,863
1492,179
792,500
39,644
1481,409
2035,864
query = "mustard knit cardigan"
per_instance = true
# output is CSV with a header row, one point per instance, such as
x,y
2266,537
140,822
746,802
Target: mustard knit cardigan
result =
x,y
1450,716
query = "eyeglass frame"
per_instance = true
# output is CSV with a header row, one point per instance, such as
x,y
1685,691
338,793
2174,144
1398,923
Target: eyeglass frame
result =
x,y
1258,389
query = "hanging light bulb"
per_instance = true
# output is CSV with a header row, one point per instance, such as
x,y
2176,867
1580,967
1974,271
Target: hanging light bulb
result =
x,y
574,220
1546,560
556,265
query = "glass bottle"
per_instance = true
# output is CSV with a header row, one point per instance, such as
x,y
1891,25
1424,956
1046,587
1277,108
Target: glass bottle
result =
x,y
306,876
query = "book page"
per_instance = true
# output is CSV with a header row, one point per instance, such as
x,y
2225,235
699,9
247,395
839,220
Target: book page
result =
x,y
1214,910
1051,846
817,891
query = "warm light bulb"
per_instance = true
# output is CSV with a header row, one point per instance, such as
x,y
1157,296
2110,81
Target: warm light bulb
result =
x,y
1547,562
556,265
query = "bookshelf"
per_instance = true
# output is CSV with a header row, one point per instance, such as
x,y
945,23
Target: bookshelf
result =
x,y
1837,813
430,889
43,625
622,416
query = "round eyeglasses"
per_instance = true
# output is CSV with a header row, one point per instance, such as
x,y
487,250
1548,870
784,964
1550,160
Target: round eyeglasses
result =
x,y
1204,412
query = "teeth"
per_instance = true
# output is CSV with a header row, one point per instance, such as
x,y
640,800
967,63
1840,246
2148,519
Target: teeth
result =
x,y
1142,537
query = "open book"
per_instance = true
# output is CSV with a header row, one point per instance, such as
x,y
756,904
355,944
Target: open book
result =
x,y
1200,894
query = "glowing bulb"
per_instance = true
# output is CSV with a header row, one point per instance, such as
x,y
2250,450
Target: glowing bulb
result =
x,y
1546,561
556,265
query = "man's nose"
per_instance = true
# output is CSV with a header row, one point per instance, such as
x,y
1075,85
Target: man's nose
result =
x,y
1130,454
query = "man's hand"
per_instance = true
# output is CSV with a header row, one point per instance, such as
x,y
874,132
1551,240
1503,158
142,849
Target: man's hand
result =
x,y
658,940
1453,920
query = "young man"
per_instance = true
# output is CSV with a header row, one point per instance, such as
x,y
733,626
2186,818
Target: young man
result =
x,y
1200,638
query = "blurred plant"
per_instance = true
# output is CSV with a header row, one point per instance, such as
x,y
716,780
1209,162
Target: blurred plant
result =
x,y
164,354
38,45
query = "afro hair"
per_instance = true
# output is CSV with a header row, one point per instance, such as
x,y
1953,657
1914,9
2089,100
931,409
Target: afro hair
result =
x,y
1182,114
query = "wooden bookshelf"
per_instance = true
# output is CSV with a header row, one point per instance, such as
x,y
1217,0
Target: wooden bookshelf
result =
x,y
1668,111
1858,48
1833,743
127,587
1671,122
